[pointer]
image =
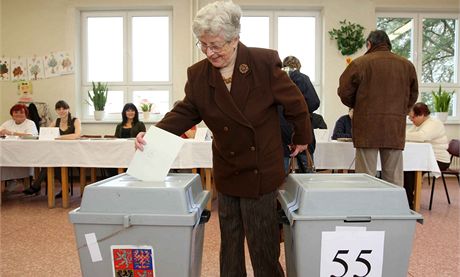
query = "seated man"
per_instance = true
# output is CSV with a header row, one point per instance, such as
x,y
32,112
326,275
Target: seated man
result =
x,y
342,127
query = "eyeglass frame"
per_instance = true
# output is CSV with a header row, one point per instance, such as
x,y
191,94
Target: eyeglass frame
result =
x,y
214,48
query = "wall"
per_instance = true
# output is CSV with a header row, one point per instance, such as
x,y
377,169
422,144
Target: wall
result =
x,y
1,51
41,26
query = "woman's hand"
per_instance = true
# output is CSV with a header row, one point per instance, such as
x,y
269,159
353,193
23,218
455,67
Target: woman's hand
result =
x,y
6,132
140,142
297,148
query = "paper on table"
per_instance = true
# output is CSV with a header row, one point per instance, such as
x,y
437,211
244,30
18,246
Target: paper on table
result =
x,y
159,153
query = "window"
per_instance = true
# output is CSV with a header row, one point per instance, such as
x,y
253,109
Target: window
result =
x,y
131,51
291,33
431,42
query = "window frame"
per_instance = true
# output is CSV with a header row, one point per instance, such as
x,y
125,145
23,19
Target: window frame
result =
x,y
417,48
274,13
127,86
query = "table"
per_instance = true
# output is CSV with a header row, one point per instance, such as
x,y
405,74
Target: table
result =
x,y
417,157
91,153
117,153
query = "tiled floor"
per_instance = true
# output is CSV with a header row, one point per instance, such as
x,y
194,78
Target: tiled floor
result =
x,y
37,241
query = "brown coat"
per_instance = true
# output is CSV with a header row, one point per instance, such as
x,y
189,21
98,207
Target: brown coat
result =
x,y
381,87
247,148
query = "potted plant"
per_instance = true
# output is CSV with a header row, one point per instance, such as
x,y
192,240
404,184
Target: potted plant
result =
x,y
349,37
146,108
98,99
441,103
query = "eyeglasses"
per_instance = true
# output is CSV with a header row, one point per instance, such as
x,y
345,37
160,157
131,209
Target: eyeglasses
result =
x,y
216,49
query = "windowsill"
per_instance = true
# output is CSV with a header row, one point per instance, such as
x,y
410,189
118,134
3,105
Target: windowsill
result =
x,y
109,121
154,118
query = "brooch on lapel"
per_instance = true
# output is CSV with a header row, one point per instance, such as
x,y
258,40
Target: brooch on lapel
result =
x,y
244,68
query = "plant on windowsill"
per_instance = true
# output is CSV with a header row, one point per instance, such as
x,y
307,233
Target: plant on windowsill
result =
x,y
98,99
146,108
349,37
441,103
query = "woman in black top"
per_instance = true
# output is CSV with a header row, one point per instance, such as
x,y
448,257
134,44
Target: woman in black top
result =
x,y
130,126
69,128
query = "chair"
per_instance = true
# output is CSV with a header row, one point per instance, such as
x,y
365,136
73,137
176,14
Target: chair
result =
x,y
454,168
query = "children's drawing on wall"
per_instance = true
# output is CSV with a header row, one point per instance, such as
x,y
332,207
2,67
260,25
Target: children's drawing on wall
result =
x,y
25,91
65,61
51,66
58,63
19,69
36,68
4,69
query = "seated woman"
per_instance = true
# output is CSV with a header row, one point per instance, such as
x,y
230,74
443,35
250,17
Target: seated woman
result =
x,y
19,125
128,128
342,127
69,128
130,125
430,130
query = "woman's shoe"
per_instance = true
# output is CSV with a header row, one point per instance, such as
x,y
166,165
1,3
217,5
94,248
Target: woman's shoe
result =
x,y
32,190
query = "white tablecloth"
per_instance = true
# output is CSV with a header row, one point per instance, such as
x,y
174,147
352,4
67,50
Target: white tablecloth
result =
x,y
341,155
9,173
115,153
118,153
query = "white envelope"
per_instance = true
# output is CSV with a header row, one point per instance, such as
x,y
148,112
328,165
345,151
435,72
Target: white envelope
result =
x,y
159,153
200,134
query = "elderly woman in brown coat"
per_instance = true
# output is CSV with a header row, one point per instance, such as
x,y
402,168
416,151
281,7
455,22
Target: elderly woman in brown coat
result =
x,y
235,91
381,87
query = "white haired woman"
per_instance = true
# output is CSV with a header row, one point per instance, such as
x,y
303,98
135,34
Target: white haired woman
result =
x,y
235,91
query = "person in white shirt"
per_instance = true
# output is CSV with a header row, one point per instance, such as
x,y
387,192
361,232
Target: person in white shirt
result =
x,y
19,125
429,130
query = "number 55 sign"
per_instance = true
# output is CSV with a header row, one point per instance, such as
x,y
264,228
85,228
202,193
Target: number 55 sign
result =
x,y
352,253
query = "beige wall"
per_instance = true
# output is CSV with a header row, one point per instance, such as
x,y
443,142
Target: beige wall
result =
x,y
41,26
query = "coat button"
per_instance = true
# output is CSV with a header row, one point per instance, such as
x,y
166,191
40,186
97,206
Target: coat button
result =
x,y
232,153
226,129
252,148
256,171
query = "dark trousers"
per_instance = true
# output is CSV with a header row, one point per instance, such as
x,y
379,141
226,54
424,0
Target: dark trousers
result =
x,y
257,220
409,180
42,176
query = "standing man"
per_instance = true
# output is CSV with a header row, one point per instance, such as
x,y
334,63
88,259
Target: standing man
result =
x,y
235,90
381,87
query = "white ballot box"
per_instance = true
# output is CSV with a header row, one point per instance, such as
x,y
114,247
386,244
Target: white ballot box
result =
x,y
346,225
140,228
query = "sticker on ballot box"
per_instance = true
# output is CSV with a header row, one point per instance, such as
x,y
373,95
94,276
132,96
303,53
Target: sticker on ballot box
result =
x,y
132,260
352,252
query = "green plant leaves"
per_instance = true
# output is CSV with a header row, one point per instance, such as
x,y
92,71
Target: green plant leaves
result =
x,y
441,100
349,37
99,96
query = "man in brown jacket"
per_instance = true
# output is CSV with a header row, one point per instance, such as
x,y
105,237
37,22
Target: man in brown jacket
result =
x,y
381,87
